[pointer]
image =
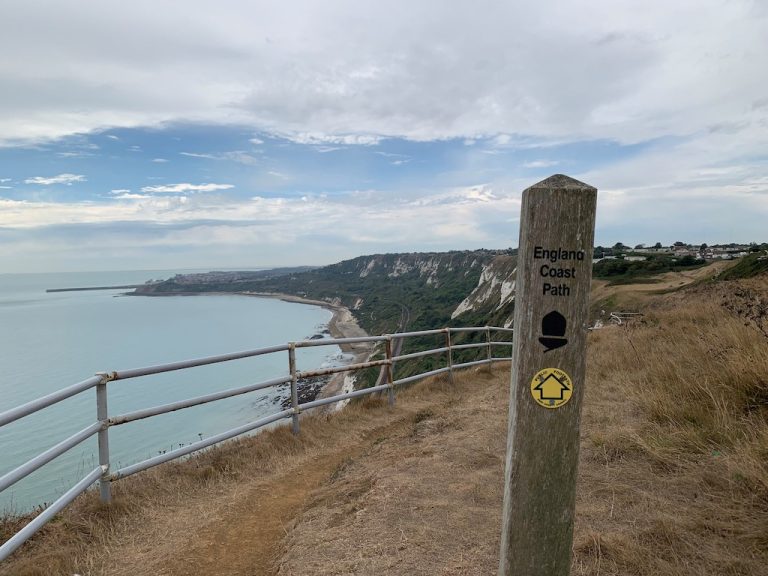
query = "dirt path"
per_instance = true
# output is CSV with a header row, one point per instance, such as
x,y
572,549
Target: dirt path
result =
x,y
246,538
424,499
239,529
667,281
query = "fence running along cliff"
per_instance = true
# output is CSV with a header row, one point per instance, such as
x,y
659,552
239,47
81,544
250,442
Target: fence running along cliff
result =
x,y
101,382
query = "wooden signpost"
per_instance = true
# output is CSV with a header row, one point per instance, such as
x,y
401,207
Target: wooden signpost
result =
x,y
554,271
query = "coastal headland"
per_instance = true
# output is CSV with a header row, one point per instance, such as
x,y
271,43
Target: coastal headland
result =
x,y
341,325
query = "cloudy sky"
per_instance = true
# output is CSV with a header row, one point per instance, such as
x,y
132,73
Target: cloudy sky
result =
x,y
191,134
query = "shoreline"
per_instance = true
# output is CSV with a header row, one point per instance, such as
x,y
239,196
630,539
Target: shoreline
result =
x,y
341,325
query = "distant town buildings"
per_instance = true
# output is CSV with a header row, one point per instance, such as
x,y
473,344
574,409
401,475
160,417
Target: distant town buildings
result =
x,y
677,250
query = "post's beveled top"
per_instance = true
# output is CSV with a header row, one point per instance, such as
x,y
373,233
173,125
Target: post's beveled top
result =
x,y
561,182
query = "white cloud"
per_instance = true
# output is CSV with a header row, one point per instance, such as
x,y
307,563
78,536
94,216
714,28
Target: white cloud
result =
x,y
353,73
315,138
67,179
74,154
198,155
343,74
540,163
128,195
381,213
160,160
239,156
185,187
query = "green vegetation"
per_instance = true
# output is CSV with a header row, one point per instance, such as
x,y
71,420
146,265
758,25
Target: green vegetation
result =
x,y
387,293
747,267
622,271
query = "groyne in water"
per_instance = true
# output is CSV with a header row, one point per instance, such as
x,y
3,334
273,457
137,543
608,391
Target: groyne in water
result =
x,y
125,287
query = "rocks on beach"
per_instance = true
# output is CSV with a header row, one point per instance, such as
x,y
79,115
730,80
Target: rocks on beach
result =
x,y
307,390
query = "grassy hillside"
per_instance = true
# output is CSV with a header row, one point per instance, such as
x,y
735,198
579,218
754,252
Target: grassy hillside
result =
x,y
430,285
673,472
388,293
748,266
621,271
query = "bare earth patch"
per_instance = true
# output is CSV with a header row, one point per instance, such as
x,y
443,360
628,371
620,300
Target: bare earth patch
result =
x,y
424,501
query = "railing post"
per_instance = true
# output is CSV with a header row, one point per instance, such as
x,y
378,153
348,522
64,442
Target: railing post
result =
x,y
391,391
294,386
450,354
490,352
102,415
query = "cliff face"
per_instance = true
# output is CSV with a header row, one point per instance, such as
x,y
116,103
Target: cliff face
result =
x,y
387,292
494,294
417,290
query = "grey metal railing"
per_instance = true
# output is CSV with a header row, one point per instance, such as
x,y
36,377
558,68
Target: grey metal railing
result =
x,y
105,476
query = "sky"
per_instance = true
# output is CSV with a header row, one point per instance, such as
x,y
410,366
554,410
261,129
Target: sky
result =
x,y
241,134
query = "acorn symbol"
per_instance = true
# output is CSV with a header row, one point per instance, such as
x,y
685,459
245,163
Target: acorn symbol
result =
x,y
553,327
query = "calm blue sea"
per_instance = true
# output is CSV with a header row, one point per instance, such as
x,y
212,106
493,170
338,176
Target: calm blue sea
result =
x,y
49,341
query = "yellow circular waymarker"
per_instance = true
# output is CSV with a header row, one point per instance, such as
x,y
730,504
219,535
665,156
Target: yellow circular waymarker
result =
x,y
551,388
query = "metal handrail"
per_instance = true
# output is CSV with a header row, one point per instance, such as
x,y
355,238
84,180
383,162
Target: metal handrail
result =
x,y
34,405
43,458
104,421
46,515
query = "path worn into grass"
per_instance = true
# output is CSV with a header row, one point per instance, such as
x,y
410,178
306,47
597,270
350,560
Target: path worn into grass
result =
x,y
424,499
240,531
431,467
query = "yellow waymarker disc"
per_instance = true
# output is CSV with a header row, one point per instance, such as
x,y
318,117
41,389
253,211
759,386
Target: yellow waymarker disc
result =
x,y
551,388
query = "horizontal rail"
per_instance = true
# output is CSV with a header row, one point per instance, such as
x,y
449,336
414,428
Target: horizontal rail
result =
x,y
102,471
42,459
25,533
473,363
34,405
160,368
419,333
173,406
195,446
336,341
473,345
421,353
421,376
347,396
337,369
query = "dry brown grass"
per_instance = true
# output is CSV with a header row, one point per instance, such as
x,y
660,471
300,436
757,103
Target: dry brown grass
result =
x,y
673,476
426,500
173,519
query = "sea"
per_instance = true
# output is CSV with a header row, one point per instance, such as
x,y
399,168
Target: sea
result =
x,y
52,340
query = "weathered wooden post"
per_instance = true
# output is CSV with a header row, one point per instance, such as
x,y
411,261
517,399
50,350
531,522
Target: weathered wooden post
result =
x,y
554,270
294,387
388,371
